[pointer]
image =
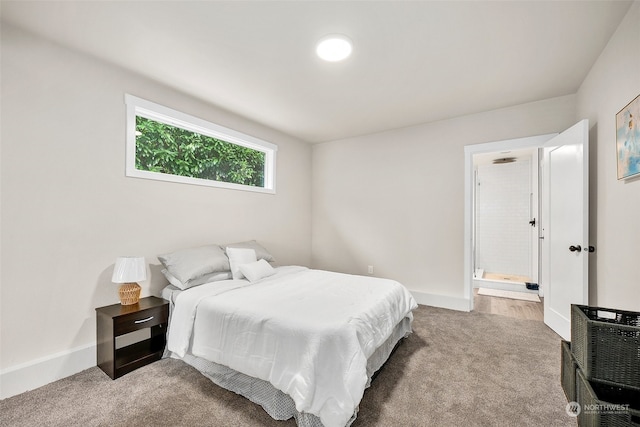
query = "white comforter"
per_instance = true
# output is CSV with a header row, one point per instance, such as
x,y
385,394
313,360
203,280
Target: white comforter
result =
x,y
307,332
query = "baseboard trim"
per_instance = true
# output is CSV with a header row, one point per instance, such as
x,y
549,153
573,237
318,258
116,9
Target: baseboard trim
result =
x,y
442,301
39,372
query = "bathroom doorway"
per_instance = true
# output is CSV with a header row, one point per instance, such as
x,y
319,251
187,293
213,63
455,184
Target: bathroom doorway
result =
x,y
506,222
564,241
486,153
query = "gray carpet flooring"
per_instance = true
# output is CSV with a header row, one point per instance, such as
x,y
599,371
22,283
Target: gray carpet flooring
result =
x,y
456,369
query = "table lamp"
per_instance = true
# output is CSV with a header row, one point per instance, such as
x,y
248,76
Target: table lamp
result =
x,y
129,270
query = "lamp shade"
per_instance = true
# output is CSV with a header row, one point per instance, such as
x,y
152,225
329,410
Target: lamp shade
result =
x,y
129,269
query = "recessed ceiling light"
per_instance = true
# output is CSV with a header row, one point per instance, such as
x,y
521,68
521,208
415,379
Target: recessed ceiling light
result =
x,y
334,47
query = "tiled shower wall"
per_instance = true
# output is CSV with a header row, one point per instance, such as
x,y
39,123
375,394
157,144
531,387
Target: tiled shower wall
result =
x,y
503,204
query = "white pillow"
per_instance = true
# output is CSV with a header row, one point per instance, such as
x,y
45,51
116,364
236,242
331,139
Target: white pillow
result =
x,y
237,257
255,271
207,278
187,265
261,252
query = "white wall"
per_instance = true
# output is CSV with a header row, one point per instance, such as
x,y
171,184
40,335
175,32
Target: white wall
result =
x,y
395,200
613,82
68,210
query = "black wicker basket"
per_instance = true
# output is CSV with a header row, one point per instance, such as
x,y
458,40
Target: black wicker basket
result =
x,y
606,344
604,405
568,371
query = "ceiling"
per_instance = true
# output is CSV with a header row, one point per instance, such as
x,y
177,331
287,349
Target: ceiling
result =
x,y
413,61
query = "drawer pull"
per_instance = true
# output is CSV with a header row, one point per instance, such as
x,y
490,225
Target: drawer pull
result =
x,y
144,320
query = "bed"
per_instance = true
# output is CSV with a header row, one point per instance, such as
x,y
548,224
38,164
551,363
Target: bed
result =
x,y
301,343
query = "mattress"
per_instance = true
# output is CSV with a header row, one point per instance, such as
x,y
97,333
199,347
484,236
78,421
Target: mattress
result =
x,y
315,336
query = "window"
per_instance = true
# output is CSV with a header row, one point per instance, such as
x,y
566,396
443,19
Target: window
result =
x,y
168,145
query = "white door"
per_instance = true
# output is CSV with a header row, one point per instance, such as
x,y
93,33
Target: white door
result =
x,y
565,226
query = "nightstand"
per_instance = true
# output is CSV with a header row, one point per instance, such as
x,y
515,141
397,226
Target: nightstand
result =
x,y
117,320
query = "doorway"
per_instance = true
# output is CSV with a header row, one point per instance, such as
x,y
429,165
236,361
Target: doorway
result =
x,y
565,219
481,154
506,222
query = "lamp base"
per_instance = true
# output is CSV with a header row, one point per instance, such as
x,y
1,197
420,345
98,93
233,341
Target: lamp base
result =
x,y
129,293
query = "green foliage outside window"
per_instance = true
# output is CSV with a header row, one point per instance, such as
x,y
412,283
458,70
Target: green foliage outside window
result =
x,y
172,150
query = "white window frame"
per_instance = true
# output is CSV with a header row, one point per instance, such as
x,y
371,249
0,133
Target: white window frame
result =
x,y
150,110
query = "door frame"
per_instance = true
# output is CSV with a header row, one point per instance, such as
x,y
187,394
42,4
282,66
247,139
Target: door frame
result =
x,y
530,142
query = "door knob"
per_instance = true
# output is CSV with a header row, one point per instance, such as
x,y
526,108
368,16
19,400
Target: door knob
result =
x,y
576,248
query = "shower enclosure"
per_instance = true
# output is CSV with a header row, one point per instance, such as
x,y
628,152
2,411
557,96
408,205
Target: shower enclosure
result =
x,y
506,213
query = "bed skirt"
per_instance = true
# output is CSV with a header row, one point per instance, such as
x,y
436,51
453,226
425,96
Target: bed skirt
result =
x,y
276,403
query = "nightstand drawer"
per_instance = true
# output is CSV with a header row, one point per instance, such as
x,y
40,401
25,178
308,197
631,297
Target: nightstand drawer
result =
x,y
140,320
